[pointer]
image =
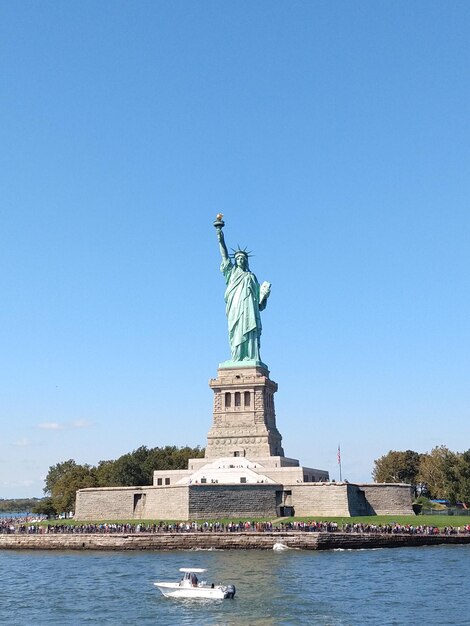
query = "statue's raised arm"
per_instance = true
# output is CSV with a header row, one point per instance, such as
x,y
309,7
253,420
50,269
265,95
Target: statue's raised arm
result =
x,y
219,224
244,299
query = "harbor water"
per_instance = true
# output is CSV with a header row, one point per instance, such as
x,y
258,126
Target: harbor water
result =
x,y
336,588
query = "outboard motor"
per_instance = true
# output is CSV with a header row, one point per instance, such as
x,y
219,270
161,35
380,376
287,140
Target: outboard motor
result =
x,y
229,591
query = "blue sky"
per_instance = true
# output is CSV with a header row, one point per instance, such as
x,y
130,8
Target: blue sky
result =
x,y
335,139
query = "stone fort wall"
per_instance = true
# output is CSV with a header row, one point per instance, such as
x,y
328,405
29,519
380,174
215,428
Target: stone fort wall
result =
x,y
234,501
242,501
388,499
322,499
346,499
167,503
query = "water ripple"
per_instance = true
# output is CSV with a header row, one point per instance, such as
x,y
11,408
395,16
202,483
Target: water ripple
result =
x,y
337,588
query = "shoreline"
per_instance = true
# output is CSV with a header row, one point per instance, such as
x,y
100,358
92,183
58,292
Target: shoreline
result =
x,y
224,541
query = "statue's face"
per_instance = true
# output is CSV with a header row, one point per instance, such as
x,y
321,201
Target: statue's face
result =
x,y
241,261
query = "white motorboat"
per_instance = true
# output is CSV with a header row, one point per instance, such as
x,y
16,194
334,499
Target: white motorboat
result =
x,y
190,587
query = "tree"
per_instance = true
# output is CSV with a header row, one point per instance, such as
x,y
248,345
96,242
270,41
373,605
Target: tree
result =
x,y
129,469
56,472
106,474
134,468
65,488
397,467
438,470
441,473
63,480
44,507
18,505
462,471
170,458
137,467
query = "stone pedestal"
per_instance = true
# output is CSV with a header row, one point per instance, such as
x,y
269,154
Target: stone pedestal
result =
x,y
244,419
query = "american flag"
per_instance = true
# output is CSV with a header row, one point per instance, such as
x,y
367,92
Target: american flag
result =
x,y
339,456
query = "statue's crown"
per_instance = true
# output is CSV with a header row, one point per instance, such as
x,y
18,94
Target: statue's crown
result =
x,y
240,251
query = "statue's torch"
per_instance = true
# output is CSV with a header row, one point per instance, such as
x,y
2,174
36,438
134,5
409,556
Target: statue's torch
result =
x,y
219,222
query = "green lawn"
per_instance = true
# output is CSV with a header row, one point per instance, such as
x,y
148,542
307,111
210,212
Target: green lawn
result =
x,y
415,520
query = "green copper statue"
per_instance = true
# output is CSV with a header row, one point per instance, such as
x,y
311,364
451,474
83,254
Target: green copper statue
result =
x,y
244,300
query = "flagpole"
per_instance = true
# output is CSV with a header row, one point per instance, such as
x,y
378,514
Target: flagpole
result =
x,y
339,463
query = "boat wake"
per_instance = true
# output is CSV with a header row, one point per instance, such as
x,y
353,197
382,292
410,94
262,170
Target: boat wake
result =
x,y
207,550
281,547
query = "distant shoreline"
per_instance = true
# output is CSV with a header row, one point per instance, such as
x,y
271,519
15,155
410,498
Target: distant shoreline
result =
x,y
225,541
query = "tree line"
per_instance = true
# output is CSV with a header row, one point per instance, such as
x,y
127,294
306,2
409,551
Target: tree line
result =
x,y
133,468
18,505
441,473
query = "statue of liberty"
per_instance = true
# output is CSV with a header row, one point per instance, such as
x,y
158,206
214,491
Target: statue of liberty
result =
x,y
244,299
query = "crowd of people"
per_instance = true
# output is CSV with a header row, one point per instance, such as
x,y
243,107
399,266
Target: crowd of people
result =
x,y
33,526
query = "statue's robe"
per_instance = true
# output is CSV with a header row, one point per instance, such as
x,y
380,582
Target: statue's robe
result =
x,y
242,297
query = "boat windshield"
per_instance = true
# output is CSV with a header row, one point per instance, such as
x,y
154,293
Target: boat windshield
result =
x,y
190,579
